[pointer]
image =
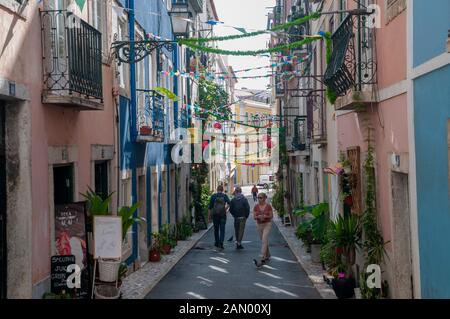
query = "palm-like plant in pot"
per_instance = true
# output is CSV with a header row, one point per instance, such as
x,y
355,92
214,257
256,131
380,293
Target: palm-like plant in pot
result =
x,y
319,225
345,235
128,218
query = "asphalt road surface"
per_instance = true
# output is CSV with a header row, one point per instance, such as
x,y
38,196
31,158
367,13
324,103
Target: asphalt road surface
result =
x,y
207,273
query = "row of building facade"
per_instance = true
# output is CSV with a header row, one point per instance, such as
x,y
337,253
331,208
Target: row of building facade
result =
x,y
78,112
390,71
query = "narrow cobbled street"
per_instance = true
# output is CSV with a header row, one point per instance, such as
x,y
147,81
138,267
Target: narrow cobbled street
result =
x,y
208,273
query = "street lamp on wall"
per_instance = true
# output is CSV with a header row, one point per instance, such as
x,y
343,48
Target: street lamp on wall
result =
x,y
180,23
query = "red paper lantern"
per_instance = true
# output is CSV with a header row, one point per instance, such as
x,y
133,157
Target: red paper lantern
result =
x,y
217,126
270,144
204,145
267,138
237,142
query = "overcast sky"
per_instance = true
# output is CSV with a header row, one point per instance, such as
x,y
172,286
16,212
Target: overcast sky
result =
x,y
251,15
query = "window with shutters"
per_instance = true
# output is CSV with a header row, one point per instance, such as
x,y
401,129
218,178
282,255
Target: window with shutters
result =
x,y
394,8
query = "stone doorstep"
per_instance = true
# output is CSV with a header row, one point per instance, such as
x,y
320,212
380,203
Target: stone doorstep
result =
x,y
314,271
139,284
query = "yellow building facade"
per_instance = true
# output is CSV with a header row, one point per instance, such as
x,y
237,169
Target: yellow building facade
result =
x,y
255,109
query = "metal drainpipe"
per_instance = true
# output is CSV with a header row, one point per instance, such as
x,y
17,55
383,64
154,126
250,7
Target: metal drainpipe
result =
x,y
359,86
177,124
133,115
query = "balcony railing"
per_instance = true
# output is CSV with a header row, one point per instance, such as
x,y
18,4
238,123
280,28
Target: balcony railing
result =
x,y
151,117
300,140
184,118
351,72
279,86
72,61
317,117
278,14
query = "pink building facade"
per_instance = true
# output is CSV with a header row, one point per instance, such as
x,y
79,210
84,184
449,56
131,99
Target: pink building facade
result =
x,y
54,150
379,117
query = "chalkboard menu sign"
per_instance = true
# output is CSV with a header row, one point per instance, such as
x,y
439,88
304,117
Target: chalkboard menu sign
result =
x,y
71,239
59,273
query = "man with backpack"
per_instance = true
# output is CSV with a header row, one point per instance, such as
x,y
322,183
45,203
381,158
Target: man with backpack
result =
x,y
240,210
218,211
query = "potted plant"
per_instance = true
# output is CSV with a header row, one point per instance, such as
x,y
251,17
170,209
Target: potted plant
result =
x,y
319,225
155,250
304,233
344,286
123,270
345,235
128,219
145,130
165,239
345,163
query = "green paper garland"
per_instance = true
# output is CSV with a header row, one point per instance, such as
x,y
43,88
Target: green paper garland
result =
x,y
331,95
279,48
287,25
169,94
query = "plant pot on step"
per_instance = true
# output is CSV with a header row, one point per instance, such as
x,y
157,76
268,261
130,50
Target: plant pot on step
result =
x,y
315,253
154,256
106,292
166,249
145,130
344,288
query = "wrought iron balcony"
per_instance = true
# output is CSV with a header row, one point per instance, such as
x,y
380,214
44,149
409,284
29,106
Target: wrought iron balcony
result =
x,y
196,5
279,87
317,123
184,118
72,61
351,73
278,13
300,140
150,118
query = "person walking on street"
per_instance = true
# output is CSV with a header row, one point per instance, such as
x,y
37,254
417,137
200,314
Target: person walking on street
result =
x,y
263,214
255,193
217,209
240,210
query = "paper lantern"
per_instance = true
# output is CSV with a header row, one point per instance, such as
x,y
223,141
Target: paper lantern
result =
x,y
270,144
237,142
204,145
267,138
217,126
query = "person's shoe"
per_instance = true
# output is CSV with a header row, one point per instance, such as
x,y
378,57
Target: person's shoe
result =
x,y
258,264
239,247
221,246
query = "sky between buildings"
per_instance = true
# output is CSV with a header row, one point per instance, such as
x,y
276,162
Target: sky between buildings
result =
x,y
251,15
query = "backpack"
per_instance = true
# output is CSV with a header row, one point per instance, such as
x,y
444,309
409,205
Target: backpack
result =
x,y
219,206
240,207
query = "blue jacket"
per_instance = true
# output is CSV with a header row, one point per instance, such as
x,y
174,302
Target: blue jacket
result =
x,y
213,199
